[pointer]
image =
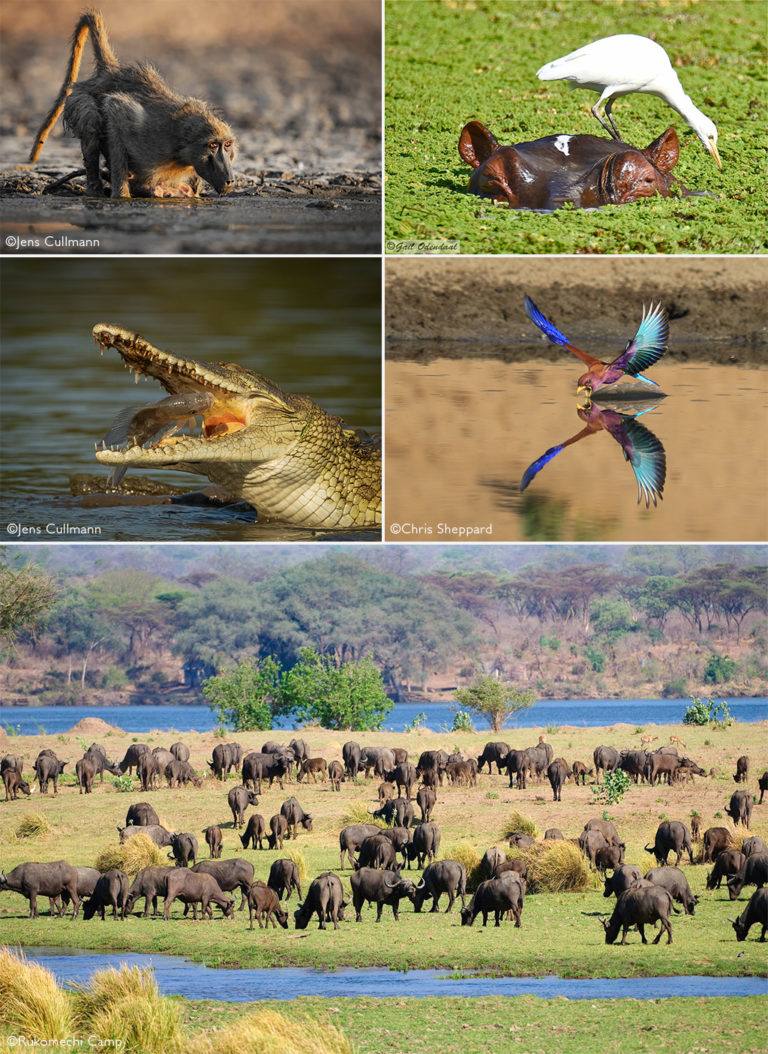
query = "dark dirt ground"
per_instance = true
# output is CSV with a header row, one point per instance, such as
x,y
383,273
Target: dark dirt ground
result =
x,y
298,81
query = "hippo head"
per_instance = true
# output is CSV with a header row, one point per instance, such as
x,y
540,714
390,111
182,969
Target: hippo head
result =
x,y
634,174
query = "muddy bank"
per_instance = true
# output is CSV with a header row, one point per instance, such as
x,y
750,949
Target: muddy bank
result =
x,y
716,306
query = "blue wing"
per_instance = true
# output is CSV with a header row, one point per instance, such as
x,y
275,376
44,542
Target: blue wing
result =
x,y
544,324
645,453
648,345
538,465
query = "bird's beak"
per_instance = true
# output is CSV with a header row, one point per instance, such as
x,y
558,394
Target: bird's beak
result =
x,y
712,147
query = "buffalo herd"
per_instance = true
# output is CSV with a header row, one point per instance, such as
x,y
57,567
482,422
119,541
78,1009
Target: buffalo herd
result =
x,y
379,854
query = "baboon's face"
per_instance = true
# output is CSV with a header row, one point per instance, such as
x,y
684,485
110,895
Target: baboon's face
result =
x,y
215,164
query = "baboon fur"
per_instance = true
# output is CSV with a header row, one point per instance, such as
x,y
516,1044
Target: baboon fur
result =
x,y
156,143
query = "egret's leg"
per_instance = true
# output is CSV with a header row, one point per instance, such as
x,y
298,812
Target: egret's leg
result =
x,y
596,115
609,115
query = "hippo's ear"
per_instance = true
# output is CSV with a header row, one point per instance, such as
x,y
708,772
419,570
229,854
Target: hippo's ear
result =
x,y
664,152
476,144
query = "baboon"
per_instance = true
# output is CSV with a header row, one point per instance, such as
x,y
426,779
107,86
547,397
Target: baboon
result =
x,y
155,143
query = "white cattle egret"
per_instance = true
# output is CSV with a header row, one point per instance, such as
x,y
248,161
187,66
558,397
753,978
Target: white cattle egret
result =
x,y
626,63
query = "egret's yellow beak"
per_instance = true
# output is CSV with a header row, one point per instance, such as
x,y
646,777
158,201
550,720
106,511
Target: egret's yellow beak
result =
x,y
712,145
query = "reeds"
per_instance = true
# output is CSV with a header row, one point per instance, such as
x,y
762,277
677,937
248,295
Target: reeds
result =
x,y
557,867
130,856
125,1005
467,855
32,1003
32,825
269,1032
516,822
292,853
357,812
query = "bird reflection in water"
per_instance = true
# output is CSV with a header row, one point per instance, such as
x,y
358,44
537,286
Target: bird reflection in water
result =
x,y
642,449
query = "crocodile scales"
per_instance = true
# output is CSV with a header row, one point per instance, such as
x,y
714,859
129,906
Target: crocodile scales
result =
x,y
282,453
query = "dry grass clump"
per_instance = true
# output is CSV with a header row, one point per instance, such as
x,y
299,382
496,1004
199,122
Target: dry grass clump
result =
x,y
33,824
268,1032
357,812
131,856
32,1003
467,855
557,867
125,1005
516,822
292,853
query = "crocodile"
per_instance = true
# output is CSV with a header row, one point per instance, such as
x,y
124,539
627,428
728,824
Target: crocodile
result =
x,y
282,453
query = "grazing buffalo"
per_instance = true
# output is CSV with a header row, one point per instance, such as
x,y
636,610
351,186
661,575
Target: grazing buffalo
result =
x,y
661,767
609,856
12,762
695,827
46,880
181,773
606,759
351,753
213,840
753,845
195,888
141,815
740,807
580,773
520,840
755,913
265,766
606,828
263,903
742,769
494,754
763,785
13,783
230,874
688,769
163,758
132,755
633,762
538,759
352,837
225,756
299,748
754,872
335,774
405,777
313,767
284,878
557,774
325,897
426,799
377,851
183,849
517,767
180,751
728,864
148,771
676,884
671,837
378,760
519,866
90,765
295,815
158,834
256,831
622,878
491,860
239,798
48,768
590,843
432,761
386,792
400,837
716,840
379,888
553,834
426,841
638,906
400,755
278,826
111,891
462,773
444,876
87,877
399,812
583,170
497,895
150,883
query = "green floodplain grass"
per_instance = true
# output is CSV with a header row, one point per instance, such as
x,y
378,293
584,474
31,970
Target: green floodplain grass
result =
x,y
448,62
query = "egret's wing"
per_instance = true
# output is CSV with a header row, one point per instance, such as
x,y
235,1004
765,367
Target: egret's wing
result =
x,y
554,334
648,345
546,457
645,453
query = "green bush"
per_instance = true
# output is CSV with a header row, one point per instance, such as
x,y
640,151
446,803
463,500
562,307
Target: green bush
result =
x,y
719,669
613,788
595,658
707,713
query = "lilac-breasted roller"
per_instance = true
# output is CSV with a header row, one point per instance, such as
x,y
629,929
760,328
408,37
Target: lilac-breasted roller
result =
x,y
642,449
647,347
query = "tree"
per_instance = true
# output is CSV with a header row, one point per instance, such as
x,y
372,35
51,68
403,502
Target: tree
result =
x,y
494,700
350,696
27,593
248,697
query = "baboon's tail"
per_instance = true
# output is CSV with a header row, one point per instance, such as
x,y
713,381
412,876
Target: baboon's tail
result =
x,y
106,61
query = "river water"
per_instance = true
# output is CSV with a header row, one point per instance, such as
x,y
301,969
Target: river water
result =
x,y
177,976
438,717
